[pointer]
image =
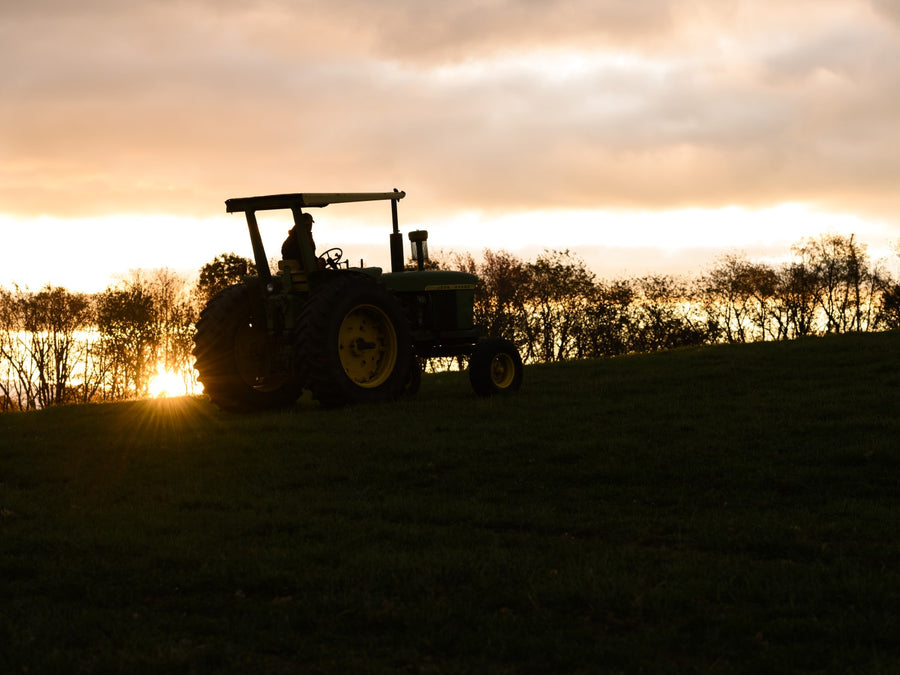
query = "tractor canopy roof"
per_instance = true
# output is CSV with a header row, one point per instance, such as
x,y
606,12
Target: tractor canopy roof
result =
x,y
306,199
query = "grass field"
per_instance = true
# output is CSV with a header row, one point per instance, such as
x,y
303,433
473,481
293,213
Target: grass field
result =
x,y
728,509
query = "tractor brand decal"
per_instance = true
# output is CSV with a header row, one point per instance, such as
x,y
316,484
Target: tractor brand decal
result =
x,y
450,287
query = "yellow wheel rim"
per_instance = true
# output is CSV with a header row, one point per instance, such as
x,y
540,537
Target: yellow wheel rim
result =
x,y
367,344
503,371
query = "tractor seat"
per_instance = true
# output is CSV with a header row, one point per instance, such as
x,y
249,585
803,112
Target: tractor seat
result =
x,y
295,270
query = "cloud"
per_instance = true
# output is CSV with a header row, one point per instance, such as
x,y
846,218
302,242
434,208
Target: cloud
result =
x,y
889,9
452,32
497,106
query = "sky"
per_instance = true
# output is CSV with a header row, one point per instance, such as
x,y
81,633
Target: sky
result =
x,y
647,137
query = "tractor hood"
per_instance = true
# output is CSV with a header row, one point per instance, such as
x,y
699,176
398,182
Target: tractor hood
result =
x,y
430,280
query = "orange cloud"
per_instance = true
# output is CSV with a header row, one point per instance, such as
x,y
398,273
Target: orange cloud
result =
x,y
499,106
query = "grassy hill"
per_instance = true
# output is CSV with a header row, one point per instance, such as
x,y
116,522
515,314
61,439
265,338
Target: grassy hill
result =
x,y
728,509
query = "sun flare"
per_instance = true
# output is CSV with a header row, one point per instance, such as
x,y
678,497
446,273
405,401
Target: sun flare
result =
x,y
166,384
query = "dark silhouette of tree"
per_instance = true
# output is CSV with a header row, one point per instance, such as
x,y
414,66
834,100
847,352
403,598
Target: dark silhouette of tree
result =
x,y
431,263
796,298
608,321
40,345
559,289
889,308
57,346
226,269
146,324
847,285
16,376
130,337
663,315
174,312
54,317
7,403
500,293
738,297
725,297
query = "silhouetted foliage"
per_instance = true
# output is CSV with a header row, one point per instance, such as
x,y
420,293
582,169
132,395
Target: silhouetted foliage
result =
x,y
40,345
663,315
412,265
889,311
174,312
130,337
225,270
558,291
146,325
555,309
500,296
847,285
737,297
795,301
57,346
62,347
609,320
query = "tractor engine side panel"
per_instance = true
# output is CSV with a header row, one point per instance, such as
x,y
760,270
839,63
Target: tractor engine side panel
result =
x,y
452,309
440,307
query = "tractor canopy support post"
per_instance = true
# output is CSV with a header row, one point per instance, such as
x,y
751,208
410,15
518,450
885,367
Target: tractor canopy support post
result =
x,y
396,238
259,252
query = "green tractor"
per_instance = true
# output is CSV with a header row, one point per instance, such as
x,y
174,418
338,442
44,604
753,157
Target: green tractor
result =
x,y
347,334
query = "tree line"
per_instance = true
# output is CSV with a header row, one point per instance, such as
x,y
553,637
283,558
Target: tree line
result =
x,y
554,308
58,346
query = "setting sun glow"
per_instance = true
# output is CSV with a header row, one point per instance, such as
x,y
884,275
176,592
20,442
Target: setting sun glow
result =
x,y
166,384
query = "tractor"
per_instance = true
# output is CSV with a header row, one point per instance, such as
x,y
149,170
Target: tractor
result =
x,y
347,334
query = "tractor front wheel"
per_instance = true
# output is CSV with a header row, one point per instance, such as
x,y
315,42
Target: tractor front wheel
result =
x,y
495,367
235,357
354,343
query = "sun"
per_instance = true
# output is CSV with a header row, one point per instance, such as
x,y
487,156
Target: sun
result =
x,y
167,383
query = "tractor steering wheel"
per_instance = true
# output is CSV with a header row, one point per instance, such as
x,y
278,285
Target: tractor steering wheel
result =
x,y
332,257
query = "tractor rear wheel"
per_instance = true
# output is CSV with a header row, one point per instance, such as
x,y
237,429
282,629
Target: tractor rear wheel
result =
x,y
354,344
234,357
495,367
